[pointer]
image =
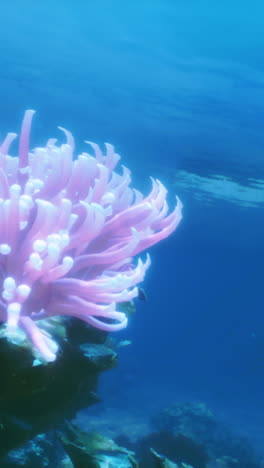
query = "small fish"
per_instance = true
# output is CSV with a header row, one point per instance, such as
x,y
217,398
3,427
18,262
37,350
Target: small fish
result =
x,y
123,343
142,295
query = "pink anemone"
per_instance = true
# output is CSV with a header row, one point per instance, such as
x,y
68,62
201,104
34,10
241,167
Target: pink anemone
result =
x,y
69,229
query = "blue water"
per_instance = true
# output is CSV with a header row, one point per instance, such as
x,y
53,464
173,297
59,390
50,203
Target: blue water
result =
x,y
178,87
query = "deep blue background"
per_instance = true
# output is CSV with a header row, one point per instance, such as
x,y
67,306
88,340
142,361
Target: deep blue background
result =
x,y
175,85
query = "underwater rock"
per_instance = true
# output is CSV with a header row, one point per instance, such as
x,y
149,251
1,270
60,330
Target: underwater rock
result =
x,y
196,422
176,447
69,447
93,450
191,419
35,398
162,462
44,451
